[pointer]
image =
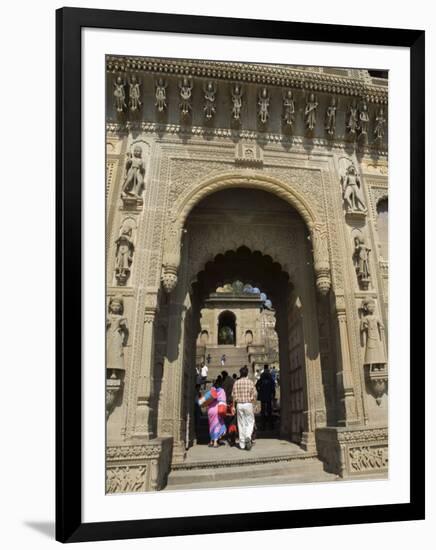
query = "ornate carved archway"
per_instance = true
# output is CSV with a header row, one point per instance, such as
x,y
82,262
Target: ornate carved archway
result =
x,y
195,193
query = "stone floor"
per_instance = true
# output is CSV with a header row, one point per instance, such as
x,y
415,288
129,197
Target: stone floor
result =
x,y
261,448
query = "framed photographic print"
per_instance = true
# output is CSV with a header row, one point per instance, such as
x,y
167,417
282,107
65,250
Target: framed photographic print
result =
x,y
240,239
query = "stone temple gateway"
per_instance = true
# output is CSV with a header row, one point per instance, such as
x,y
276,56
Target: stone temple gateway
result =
x,y
271,176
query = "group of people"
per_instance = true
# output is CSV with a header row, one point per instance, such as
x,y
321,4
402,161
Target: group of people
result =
x,y
230,406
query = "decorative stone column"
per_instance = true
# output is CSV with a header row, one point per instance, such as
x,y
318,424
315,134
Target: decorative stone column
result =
x,y
319,237
143,418
345,376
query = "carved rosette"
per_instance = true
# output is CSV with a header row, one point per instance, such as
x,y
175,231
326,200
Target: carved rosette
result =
x,y
319,237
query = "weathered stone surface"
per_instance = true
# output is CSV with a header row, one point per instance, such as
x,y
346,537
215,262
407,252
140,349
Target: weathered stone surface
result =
x,y
282,169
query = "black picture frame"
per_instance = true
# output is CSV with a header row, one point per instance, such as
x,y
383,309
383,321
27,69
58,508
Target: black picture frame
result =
x,y
69,23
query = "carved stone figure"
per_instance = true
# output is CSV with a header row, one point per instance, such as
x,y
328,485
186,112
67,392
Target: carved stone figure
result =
x,y
380,124
352,191
371,329
361,262
185,89
124,255
134,94
117,334
119,94
209,97
161,95
289,108
352,120
135,174
263,104
237,101
330,117
310,112
364,119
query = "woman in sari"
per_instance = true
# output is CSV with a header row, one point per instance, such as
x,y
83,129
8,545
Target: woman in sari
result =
x,y
215,409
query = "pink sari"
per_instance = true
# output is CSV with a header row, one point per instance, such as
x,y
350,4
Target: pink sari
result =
x,y
217,427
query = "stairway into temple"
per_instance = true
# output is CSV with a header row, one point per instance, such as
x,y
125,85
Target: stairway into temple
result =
x,y
236,357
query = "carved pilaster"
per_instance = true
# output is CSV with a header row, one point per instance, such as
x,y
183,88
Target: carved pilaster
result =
x,y
144,422
345,376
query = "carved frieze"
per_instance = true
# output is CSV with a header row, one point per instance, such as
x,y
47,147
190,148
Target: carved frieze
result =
x,y
368,458
125,479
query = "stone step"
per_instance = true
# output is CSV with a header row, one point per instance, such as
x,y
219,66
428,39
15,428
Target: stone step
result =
x,y
246,472
290,479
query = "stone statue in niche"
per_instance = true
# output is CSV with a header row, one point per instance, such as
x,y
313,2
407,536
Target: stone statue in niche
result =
x,y
117,334
161,95
134,94
289,108
380,124
237,101
185,89
353,119
372,331
263,105
310,112
330,117
363,119
209,108
135,173
361,262
120,94
124,254
352,191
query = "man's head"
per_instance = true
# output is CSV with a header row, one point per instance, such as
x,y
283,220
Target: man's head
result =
x,y
224,374
235,376
244,372
266,368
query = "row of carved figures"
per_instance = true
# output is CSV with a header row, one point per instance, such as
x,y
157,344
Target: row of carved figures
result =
x,y
357,122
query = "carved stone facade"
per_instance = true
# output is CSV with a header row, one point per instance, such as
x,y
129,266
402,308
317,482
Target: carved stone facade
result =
x,y
296,159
